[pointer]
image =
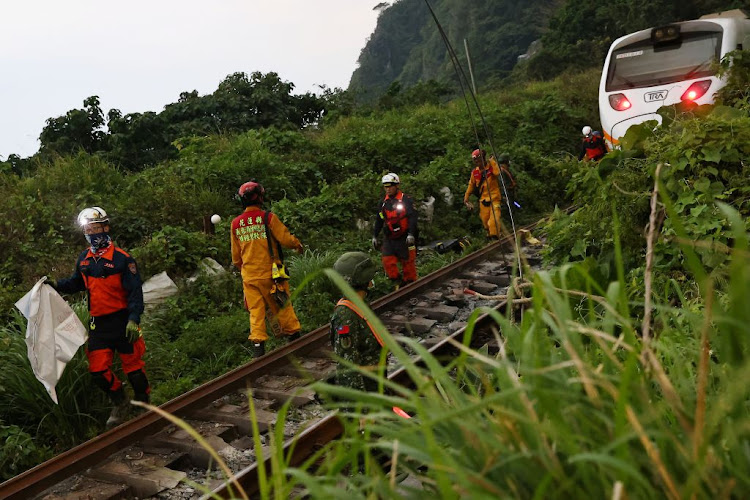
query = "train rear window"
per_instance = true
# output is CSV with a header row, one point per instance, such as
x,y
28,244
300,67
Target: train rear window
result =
x,y
642,64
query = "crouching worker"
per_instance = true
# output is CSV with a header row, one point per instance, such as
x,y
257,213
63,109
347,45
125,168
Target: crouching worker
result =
x,y
110,276
353,338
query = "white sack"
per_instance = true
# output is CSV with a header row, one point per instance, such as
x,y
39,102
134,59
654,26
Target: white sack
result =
x,y
157,288
207,267
210,267
447,195
428,208
53,334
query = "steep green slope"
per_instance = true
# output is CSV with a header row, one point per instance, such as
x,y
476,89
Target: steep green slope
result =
x,y
407,45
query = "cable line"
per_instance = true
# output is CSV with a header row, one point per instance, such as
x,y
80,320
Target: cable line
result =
x,y
461,75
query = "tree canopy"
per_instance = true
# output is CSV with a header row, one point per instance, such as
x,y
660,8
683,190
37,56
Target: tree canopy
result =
x,y
241,102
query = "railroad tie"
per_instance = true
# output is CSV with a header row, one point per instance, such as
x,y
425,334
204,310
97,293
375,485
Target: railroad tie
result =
x,y
145,473
79,487
440,313
180,440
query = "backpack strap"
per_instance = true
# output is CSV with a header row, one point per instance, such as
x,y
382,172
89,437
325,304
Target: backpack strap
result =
x,y
269,237
355,310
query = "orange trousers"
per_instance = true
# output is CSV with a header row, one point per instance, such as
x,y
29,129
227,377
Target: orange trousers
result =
x,y
100,361
260,303
491,221
408,266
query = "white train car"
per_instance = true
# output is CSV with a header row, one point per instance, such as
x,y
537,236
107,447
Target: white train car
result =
x,y
661,66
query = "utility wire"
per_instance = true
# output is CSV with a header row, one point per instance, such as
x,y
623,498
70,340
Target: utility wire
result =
x,y
461,79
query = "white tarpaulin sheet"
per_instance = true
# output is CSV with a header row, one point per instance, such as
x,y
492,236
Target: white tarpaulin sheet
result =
x,y
157,288
53,334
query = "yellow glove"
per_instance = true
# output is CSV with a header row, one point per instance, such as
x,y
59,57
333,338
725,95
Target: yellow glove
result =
x,y
132,331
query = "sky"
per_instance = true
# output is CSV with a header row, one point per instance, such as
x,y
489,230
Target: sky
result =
x,y
138,55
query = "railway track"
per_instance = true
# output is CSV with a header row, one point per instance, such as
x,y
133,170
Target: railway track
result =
x,y
148,457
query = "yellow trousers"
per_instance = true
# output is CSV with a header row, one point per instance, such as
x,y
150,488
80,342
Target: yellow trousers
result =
x,y
490,216
260,303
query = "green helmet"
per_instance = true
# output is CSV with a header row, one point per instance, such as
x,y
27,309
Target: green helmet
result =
x,y
356,268
503,159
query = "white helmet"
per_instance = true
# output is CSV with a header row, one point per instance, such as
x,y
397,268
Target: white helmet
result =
x,y
391,178
586,131
92,215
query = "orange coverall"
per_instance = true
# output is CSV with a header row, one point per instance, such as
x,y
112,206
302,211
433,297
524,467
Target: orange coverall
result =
x,y
250,254
485,181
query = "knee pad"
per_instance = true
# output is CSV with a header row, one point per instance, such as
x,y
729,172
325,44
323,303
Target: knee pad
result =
x,y
104,380
139,382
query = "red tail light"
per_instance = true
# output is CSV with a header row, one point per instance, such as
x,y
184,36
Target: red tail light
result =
x,y
619,102
696,90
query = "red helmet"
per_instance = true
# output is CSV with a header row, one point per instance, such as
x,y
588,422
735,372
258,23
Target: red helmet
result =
x,y
477,153
251,193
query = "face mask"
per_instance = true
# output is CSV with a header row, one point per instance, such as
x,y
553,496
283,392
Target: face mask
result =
x,y
98,240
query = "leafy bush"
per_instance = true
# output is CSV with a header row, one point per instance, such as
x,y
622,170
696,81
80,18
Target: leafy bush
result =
x,y
702,162
19,451
206,349
174,250
82,407
735,67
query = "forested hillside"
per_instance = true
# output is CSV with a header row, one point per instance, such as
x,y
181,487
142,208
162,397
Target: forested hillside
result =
x,y
407,47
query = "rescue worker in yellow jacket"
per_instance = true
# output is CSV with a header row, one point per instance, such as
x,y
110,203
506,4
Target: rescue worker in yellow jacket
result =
x,y
485,183
259,258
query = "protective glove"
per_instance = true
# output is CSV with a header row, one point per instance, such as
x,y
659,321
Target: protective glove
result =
x,y
410,240
49,281
375,243
132,331
300,249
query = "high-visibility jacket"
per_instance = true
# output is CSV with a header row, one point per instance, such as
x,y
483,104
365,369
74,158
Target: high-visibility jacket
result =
x,y
111,278
250,246
398,216
593,147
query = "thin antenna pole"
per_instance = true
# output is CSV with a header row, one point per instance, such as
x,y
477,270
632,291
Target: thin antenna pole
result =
x,y
471,71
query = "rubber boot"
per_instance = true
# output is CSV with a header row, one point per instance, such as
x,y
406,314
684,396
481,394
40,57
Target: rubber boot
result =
x,y
293,337
259,349
120,411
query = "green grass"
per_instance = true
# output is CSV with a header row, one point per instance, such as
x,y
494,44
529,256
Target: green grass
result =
x,y
576,404
25,403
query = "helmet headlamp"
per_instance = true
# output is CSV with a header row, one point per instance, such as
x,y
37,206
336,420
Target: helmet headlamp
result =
x,y
92,215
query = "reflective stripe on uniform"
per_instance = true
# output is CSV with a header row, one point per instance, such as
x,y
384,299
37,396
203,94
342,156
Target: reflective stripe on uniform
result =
x,y
355,309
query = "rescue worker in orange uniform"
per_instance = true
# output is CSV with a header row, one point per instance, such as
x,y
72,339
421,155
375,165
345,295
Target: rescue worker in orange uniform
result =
x,y
399,220
110,276
593,147
485,183
259,260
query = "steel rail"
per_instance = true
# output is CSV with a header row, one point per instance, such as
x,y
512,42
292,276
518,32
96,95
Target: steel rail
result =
x,y
92,452
300,447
